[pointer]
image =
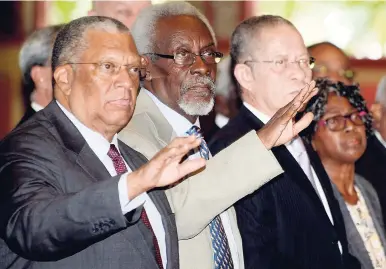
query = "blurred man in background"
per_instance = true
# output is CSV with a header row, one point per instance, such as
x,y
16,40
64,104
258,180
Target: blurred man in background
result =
x,y
331,62
124,11
35,65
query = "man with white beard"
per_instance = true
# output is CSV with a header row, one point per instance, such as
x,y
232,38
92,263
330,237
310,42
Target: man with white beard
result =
x,y
180,48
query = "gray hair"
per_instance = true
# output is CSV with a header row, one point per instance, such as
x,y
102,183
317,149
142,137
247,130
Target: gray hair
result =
x,y
248,30
37,49
144,27
71,40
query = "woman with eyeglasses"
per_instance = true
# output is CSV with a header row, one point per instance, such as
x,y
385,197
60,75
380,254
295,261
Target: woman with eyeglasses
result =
x,y
338,134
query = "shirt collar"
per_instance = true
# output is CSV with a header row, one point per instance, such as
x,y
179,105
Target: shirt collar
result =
x,y
379,136
264,118
260,115
35,106
98,144
178,122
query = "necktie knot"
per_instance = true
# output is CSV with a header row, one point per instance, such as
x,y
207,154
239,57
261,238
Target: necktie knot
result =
x,y
117,159
113,152
194,130
204,150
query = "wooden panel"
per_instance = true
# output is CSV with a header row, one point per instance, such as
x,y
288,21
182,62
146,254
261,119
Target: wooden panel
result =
x,y
5,88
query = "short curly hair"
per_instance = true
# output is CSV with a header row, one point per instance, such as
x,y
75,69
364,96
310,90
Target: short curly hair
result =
x,y
317,104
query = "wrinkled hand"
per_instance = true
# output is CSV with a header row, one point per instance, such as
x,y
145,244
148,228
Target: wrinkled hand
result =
x,y
165,167
282,128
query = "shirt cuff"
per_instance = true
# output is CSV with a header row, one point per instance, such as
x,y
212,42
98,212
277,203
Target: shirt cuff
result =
x,y
128,205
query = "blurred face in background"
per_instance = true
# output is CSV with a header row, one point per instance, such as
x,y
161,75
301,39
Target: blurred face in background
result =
x,y
124,11
332,63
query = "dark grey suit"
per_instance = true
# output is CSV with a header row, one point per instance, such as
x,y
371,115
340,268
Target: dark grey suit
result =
x,y
60,207
355,242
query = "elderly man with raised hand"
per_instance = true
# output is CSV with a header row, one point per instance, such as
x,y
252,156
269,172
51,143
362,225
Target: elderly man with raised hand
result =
x,y
180,47
72,194
294,221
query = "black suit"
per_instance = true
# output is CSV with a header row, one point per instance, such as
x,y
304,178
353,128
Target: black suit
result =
x,y
372,166
60,206
284,224
28,114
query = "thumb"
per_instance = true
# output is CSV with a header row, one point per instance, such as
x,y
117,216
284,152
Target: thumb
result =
x,y
303,123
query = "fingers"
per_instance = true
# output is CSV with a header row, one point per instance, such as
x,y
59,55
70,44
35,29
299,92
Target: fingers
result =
x,y
178,148
303,123
304,93
300,101
190,166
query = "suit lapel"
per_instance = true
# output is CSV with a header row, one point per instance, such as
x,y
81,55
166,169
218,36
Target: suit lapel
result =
x,y
135,160
164,131
72,139
87,160
287,161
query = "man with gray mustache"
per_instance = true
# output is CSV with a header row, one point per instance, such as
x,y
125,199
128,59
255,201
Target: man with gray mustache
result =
x,y
179,47
198,108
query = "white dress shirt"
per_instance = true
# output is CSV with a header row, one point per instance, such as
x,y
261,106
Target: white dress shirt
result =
x,y
221,120
180,126
35,106
298,151
100,146
380,138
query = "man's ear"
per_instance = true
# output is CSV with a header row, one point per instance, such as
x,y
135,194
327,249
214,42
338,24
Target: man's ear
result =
x,y
244,76
146,63
64,76
36,74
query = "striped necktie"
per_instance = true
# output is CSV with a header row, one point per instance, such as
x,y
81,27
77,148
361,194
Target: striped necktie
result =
x,y
221,250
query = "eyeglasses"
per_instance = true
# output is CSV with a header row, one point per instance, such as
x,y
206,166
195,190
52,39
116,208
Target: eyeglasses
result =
x,y
189,58
338,123
323,71
109,69
281,65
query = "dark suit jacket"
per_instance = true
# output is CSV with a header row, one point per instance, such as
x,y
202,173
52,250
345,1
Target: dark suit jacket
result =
x,y
28,114
372,166
284,223
60,208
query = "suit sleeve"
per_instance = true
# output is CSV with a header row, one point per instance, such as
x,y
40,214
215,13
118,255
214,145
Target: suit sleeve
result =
x,y
40,221
232,174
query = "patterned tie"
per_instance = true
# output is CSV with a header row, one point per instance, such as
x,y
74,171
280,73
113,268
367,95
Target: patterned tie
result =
x,y
120,168
221,250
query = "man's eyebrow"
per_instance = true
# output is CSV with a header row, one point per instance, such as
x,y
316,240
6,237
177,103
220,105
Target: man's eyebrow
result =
x,y
209,45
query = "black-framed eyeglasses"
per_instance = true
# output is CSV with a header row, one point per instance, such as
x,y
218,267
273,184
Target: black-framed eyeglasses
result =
x,y
324,71
189,58
338,123
112,69
282,64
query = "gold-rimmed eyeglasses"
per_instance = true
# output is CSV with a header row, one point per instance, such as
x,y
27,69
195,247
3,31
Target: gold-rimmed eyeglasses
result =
x,y
282,64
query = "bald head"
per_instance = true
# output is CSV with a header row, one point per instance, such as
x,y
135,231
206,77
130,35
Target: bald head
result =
x,y
331,62
124,11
